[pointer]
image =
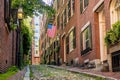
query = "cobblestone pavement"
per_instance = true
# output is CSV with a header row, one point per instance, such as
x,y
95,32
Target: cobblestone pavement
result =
x,y
107,75
43,72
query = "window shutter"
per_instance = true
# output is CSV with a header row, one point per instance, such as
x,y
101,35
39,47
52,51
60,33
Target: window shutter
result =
x,y
58,22
81,6
74,39
81,43
90,36
67,44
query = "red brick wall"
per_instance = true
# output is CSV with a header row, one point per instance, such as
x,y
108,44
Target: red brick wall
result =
x,y
79,20
6,53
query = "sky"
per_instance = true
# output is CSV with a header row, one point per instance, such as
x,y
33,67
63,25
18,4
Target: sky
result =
x,y
47,1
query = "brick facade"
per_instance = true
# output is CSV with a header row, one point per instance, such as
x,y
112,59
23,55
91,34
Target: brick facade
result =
x,y
97,15
7,43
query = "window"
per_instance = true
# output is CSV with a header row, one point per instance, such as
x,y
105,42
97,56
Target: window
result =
x,y
36,51
73,7
69,9
83,5
62,21
63,1
36,31
71,41
58,21
115,11
65,18
86,40
58,3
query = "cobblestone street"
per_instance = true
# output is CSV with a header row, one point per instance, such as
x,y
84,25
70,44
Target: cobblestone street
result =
x,y
43,72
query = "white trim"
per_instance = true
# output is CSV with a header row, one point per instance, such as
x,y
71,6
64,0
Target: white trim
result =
x,y
98,5
85,26
71,29
62,34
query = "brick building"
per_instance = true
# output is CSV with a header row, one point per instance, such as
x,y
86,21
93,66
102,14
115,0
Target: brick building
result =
x,y
7,38
81,29
35,41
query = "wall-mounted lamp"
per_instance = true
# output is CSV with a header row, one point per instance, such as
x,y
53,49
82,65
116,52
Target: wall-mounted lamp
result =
x,y
20,13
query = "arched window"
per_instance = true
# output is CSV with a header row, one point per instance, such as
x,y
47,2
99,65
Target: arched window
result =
x,y
115,11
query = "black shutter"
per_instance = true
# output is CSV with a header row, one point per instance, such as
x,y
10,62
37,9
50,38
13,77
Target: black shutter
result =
x,y
81,43
69,9
74,38
81,6
67,44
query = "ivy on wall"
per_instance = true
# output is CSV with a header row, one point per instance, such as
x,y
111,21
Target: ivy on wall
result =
x,y
113,35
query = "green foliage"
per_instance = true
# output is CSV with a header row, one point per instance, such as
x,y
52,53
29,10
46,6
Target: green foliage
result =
x,y
57,49
11,71
27,37
33,6
113,35
12,25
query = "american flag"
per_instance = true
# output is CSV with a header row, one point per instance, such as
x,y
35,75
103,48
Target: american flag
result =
x,y
51,31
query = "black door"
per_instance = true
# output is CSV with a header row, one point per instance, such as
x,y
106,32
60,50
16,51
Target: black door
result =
x,y
116,61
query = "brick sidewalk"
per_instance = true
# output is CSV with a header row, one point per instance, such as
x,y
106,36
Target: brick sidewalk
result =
x,y
108,75
19,75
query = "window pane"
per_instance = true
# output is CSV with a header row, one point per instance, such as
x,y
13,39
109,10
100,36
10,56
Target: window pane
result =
x,y
73,6
86,43
86,3
69,9
71,41
118,13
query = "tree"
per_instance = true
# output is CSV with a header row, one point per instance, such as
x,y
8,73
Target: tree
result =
x,y
31,7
